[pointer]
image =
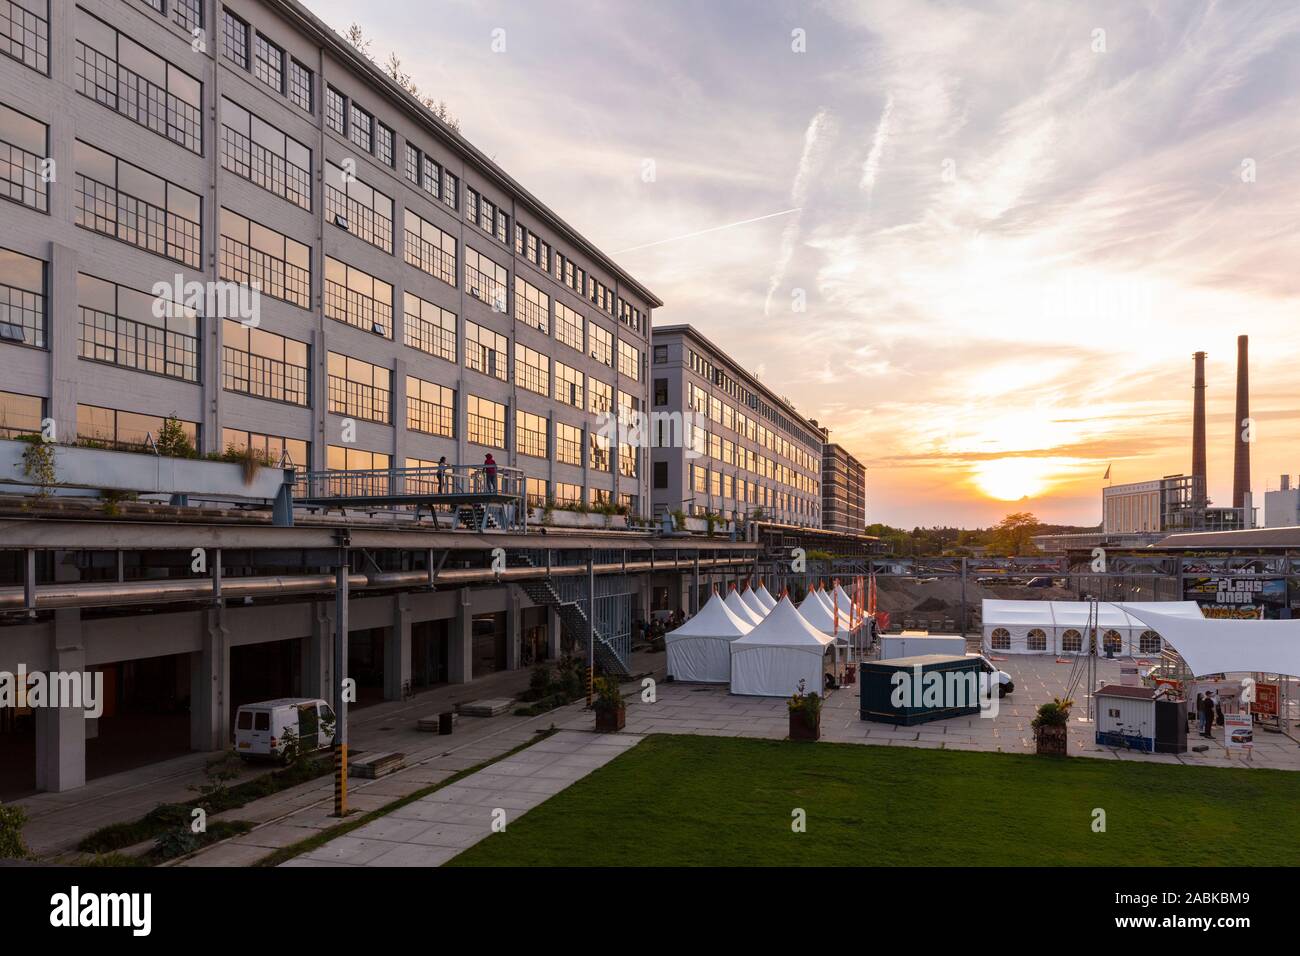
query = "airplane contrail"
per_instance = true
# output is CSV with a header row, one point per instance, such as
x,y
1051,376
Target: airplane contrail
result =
x,y
692,235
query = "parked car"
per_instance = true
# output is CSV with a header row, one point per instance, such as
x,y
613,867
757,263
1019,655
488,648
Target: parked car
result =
x,y
265,729
1040,582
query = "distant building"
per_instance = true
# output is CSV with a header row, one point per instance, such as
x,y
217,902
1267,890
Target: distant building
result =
x,y
844,490
1282,507
1166,504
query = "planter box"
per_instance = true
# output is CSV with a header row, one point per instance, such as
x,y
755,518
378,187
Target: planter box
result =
x,y
576,519
611,719
801,730
1052,741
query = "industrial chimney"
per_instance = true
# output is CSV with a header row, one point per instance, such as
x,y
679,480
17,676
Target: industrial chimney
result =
x,y
1241,454
1198,438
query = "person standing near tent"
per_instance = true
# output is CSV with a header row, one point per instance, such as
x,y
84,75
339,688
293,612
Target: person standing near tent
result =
x,y
1207,715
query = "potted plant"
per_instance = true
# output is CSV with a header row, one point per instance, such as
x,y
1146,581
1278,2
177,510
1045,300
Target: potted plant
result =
x,y
611,710
805,714
1052,726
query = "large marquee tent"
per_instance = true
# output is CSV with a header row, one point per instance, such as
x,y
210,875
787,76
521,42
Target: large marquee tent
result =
x,y
774,657
700,650
1060,627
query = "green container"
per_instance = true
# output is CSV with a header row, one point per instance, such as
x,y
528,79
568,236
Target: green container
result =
x,y
915,697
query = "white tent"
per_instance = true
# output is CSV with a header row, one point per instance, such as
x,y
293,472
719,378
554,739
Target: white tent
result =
x,y
847,604
700,649
1061,627
741,609
1220,646
821,617
753,603
774,657
820,595
765,596
1018,627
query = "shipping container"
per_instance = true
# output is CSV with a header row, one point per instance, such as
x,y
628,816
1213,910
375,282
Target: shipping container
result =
x,y
917,645
913,690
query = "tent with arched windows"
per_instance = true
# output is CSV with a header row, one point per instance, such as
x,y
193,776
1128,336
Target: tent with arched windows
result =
x,y
700,650
1060,627
1018,627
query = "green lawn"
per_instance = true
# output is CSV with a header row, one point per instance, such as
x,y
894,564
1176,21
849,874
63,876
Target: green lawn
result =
x,y
680,800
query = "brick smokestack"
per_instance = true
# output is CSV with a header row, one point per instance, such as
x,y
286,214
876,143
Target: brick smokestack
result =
x,y
1241,454
1198,435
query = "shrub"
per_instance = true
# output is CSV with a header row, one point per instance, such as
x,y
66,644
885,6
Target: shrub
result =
x,y
12,846
1055,713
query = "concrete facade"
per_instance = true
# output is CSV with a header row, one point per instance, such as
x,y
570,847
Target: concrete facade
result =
x,y
732,416
844,490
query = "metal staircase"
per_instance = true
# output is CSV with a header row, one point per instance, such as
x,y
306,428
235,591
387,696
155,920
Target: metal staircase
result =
x,y
573,615
476,517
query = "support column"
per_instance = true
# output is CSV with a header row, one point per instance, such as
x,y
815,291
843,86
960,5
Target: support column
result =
x,y
554,628
61,731
397,649
460,652
514,628
210,685
317,654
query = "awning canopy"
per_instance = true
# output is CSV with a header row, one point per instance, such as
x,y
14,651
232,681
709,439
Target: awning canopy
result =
x,y
1222,645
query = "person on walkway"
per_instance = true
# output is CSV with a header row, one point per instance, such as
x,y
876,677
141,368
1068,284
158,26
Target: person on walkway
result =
x,y
490,472
442,475
1207,716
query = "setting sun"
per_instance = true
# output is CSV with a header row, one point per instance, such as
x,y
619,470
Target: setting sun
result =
x,y
1010,479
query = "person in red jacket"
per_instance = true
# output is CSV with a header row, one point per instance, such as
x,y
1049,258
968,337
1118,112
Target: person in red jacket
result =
x,y
490,471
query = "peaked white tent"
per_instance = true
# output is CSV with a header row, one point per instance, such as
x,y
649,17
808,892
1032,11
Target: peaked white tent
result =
x,y
764,595
1217,645
699,651
742,610
822,618
774,657
753,603
820,595
846,603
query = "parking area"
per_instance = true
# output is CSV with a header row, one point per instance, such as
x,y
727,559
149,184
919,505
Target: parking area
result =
x,y
710,710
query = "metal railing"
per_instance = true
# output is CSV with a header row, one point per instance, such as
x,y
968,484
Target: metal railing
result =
x,y
382,482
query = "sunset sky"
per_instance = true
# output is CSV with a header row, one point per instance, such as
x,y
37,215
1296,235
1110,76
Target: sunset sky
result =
x,y
1012,223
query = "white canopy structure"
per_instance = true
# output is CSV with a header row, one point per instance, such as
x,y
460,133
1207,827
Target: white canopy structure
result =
x,y
1220,646
765,596
821,617
742,610
847,604
699,651
1060,627
774,657
753,603
820,595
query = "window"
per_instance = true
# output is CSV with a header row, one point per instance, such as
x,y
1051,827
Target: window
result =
x,y
471,205
519,239
530,434
358,298
188,14
630,315
531,253
359,389
629,361
503,227
256,255
568,326
335,110
236,40
120,74
350,459
20,414
273,449
119,327
263,364
360,209
600,497
1036,639
1149,643
485,351
1000,639
601,344
568,444
598,447
532,370
301,86
22,299
567,493
1112,641
532,305
412,165
661,474
450,188
117,429
661,392
23,148
429,328
430,249
260,153
383,144
568,385
627,462
433,178
25,32
430,408
537,492
699,479
362,129
600,396
486,422
661,355
485,280
268,63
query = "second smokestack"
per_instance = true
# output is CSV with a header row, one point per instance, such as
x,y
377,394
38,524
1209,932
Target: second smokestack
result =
x,y
1198,435
1241,453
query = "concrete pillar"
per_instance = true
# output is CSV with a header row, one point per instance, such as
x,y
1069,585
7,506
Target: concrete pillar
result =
x,y
61,731
460,641
514,628
397,649
210,683
554,627
318,653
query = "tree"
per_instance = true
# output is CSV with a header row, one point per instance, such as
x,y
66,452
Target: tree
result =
x,y
1011,536
172,441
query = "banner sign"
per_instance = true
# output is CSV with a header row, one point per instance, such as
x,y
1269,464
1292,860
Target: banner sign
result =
x,y
1266,700
1238,734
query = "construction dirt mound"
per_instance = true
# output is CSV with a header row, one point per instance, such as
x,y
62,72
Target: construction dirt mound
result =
x,y
935,603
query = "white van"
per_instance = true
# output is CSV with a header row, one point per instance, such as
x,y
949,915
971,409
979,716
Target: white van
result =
x,y
262,729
